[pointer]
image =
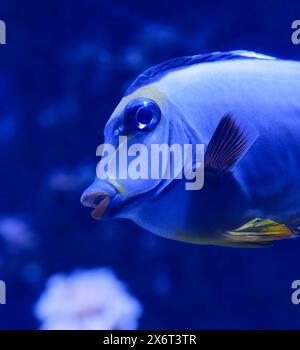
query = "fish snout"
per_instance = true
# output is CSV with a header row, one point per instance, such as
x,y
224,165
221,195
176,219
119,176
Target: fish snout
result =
x,y
97,200
92,199
98,196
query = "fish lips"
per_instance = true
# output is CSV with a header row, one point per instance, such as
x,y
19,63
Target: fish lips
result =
x,y
99,200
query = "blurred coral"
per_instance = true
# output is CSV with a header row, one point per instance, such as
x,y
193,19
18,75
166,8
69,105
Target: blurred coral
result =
x,y
16,233
87,300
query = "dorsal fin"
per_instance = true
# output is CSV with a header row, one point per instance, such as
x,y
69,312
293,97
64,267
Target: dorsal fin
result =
x,y
163,68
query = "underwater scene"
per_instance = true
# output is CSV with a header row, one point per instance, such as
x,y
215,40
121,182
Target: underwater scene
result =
x,y
214,247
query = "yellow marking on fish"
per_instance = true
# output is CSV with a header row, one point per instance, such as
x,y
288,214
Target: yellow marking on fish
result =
x,y
114,181
192,238
259,230
148,91
117,185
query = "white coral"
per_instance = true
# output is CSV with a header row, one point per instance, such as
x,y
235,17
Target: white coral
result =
x,y
87,300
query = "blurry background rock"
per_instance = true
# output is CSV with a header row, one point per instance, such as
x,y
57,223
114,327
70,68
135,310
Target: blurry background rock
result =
x,y
64,68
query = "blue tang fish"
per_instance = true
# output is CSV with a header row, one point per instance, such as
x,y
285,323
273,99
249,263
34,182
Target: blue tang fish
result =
x,y
244,108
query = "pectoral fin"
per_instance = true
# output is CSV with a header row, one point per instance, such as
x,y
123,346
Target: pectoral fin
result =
x,y
259,230
228,144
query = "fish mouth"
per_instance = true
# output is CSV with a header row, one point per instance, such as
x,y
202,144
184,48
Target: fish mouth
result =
x,y
97,200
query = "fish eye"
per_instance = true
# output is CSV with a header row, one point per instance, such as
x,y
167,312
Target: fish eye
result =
x,y
142,113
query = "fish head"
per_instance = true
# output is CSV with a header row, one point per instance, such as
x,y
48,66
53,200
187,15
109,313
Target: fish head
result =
x,y
128,172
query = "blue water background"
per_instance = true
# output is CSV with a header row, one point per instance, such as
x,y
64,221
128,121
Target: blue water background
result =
x,y
64,68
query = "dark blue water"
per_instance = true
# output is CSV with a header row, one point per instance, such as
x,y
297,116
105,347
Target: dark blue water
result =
x,y
64,68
